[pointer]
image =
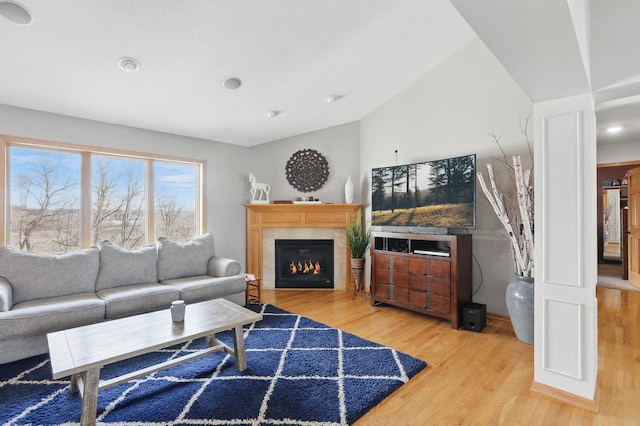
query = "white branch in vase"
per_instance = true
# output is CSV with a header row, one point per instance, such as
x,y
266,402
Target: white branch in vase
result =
x,y
521,242
524,206
495,199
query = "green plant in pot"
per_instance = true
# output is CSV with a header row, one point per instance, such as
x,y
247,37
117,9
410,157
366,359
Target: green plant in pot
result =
x,y
359,239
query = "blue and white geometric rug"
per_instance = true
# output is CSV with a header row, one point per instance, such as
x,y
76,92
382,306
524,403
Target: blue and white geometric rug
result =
x,y
299,372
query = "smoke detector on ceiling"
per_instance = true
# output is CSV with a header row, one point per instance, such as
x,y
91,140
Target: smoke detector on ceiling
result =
x,y
128,64
14,12
232,83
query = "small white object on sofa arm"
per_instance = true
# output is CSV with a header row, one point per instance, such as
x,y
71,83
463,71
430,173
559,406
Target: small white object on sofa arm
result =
x,y
222,267
6,295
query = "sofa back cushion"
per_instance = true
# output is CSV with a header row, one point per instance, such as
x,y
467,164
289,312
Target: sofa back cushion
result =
x,y
185,259
40,276
119,266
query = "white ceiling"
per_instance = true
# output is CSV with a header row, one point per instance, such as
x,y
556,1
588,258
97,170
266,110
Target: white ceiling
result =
x,y
536,42
292,54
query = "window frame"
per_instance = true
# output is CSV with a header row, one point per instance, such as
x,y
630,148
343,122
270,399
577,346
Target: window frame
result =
x,y
87,152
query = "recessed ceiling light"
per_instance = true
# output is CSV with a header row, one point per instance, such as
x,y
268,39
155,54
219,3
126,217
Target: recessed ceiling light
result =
x,y
15,13
331,99
614,129
128,64
232,83
271,114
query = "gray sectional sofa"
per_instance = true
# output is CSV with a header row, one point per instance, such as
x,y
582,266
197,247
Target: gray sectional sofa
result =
x,y
41,293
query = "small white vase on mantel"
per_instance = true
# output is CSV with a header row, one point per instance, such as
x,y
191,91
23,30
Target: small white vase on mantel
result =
x,y
348,191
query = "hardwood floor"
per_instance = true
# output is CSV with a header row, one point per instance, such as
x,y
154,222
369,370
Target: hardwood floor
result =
x,y
481,378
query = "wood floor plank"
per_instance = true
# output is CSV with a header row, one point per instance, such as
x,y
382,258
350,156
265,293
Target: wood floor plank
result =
x,y
481,378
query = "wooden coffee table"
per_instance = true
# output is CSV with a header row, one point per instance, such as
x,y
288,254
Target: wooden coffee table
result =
x,y
80,352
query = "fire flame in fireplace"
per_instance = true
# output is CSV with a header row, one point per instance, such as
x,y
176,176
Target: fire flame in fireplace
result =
x,y
308,267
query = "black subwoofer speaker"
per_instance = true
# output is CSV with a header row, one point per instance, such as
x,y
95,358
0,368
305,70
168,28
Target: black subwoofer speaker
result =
x,y
474,317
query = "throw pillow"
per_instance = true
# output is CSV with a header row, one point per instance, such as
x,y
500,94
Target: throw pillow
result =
x,y
40,276
119,266
186,259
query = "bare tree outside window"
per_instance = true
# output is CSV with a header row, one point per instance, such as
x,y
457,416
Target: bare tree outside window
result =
x,y
104,201
45,200
67,228
118,202
175,214
167,217
132,221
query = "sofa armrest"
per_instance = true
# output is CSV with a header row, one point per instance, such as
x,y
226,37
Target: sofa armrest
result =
x,y
223,267
6,295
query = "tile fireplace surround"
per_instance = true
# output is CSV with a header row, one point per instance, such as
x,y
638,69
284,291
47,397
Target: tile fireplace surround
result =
x,y
268,222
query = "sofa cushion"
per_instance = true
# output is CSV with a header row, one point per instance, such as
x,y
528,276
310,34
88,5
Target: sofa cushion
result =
x,y
38,317
186,259
119,266
223,267
40,276
206,287
137,299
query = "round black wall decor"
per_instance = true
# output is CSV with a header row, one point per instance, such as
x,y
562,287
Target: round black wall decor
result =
x,y
307,170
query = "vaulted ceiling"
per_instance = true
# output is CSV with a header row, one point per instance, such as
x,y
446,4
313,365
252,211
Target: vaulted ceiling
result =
x,y
291,55
556,48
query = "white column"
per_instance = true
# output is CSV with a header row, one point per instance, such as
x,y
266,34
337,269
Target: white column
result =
x,y
566,310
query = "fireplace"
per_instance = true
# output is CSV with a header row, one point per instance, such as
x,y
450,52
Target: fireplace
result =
x,y
269,222
303,263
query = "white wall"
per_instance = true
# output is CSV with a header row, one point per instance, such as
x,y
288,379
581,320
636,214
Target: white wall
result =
x,y
225,169
449,112
618,152
340,145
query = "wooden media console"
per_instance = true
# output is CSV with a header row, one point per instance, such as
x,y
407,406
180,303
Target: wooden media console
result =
x,y
426,273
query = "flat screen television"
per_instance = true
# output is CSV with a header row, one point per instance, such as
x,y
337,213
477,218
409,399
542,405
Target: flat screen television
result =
x,y
417,197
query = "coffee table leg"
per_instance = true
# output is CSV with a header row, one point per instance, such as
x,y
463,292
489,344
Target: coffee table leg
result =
x,y
238,349
90,397
211,340
73,386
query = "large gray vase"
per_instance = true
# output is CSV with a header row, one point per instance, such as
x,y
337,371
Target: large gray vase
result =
x,y
519,299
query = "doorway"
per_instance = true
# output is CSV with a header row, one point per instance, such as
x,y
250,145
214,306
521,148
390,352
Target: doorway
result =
x,y
612,205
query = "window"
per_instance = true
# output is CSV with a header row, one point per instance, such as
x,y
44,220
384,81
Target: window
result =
x,y
45,200
175,195
117,201
62,198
